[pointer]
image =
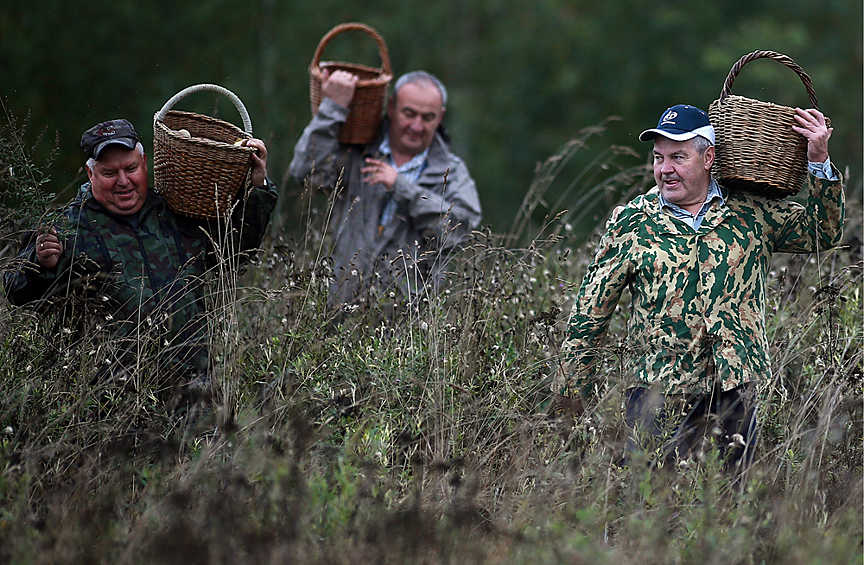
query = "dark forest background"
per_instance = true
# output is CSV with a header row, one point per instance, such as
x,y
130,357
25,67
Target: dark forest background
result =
x,y
524,77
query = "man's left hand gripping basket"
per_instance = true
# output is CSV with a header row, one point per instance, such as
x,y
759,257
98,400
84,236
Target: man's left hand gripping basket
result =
x,y
370,94
201,171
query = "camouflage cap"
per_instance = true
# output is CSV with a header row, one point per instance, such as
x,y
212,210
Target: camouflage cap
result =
x,y
101,135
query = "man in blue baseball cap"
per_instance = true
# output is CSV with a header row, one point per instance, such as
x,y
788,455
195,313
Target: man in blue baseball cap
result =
x,y
683,183
694,256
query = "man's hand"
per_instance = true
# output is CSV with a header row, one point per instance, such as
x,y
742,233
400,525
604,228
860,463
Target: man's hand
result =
x,y
259,161
377,171
48,249
339,86
811,124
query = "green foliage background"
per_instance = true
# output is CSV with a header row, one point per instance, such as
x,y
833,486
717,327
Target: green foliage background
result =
x,y
524,76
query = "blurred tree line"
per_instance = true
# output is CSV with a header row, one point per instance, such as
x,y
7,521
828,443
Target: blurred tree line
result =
x,y
524,77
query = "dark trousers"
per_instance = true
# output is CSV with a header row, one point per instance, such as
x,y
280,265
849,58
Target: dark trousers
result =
x,y
679,426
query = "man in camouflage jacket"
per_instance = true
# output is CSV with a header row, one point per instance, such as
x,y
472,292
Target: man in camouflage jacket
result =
x,y
121,252
695,256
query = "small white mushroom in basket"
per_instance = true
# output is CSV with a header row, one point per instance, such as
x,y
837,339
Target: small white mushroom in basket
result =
x,y
183,133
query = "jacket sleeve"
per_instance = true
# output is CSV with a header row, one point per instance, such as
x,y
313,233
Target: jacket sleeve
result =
x,y
818,226
253,215
318,149
26,280
608,275
447,212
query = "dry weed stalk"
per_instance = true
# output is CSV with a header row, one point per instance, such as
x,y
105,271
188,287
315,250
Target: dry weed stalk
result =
x,y
410,430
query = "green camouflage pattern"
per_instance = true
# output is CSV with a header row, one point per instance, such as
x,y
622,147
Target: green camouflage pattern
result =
x,y
145,278
697,315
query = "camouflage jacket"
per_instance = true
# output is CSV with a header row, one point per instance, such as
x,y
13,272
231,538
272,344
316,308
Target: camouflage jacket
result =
x,y
697,315
144,278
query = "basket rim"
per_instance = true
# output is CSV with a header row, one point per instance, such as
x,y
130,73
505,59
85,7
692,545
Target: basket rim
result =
x,y
385,71
774,55
381,79
244,114
165,130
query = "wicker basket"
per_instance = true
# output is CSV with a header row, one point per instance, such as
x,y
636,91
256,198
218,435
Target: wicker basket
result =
x,y
756,148
370,94
201,175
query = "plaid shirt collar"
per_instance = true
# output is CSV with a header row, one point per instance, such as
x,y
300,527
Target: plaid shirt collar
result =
x,y
410,170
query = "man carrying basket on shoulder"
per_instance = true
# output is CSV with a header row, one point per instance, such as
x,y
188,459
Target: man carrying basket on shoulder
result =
x,y
695,257
404,200
121,247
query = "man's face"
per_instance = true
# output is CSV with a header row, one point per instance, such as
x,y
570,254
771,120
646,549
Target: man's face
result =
x,y
414,117
119,180
682,174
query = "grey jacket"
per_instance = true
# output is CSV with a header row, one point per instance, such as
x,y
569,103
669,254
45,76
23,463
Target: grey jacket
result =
x,y
410,252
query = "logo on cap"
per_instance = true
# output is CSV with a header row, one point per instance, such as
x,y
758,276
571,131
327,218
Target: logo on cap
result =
x,y
669,118
107,129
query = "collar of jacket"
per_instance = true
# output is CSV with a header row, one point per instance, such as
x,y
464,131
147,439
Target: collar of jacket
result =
x,y
437,162
668,224
85,199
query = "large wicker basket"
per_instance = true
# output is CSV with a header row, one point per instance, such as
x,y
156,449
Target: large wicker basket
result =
x,y
370,94
200,174
756,148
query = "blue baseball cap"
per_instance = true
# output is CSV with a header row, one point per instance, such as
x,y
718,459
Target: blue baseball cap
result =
x,y
680,123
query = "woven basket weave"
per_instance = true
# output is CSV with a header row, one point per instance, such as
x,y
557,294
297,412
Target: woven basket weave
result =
x,y
756,148
200,176
370,94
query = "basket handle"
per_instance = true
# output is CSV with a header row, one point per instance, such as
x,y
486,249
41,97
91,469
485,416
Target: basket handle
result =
x,y
244,115
354,26
736,68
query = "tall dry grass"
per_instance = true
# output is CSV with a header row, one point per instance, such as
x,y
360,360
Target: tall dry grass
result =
x,y
421,432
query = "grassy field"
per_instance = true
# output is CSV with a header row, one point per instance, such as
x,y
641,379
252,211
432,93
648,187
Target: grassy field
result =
x,y
395,433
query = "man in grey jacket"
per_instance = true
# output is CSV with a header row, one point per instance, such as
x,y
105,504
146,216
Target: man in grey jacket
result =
x,y
403,201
